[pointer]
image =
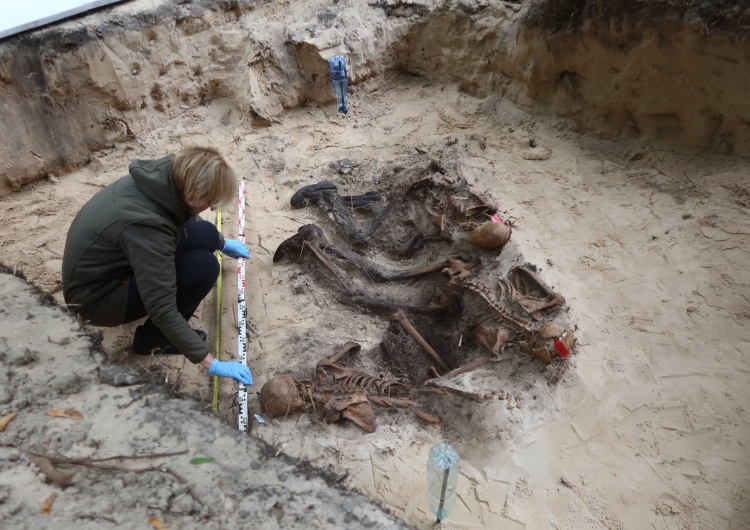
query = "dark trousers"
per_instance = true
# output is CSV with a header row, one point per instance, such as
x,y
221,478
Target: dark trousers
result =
x,y
196,267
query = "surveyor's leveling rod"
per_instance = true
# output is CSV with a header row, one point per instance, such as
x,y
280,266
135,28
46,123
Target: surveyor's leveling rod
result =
x,y
217,349
242,422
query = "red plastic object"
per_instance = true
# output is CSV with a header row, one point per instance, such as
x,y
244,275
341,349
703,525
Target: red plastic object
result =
x,y
561,349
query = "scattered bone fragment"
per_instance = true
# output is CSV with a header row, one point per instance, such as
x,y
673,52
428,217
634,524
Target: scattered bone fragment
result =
x,y
569,340
531,292
492,338
361,414
427,418
551,330
542,354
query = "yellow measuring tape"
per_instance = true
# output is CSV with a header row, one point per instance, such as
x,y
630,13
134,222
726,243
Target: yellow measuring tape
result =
x,y
217,349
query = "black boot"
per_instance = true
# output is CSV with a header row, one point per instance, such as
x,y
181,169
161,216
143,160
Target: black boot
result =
x,y
157,343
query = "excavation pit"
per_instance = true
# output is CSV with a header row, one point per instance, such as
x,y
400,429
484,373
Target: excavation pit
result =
x,y
613,136
408,253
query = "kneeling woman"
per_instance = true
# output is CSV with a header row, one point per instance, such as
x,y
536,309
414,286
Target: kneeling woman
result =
x,y
137,248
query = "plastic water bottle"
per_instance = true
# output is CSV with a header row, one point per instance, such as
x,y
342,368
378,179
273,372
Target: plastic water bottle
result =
x,y
442,477
337,65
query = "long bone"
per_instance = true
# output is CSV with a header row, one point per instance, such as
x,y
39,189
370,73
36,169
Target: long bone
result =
x,y
310,237
388,306
440,389
314,236
458,371
347,348
379,274
326,195
411,330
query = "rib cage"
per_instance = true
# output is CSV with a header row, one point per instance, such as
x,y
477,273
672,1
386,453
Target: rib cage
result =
x,y
358,381
500,314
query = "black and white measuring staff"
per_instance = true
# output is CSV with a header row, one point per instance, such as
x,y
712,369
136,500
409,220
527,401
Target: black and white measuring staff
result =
x,y
242,422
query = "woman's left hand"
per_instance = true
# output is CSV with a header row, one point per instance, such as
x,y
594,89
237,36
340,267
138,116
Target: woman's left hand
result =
x,y
234,248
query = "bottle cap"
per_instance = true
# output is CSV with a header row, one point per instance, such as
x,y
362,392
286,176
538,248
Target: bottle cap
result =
x,y
443,456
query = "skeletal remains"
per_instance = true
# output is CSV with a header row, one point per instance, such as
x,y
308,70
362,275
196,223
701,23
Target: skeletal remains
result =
x,y
340,391
439,209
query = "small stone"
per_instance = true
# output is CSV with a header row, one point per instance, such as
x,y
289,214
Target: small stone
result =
x,y
69,384
117,375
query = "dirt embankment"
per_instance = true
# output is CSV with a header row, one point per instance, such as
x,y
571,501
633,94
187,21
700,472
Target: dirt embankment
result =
x,y
672,71
133,457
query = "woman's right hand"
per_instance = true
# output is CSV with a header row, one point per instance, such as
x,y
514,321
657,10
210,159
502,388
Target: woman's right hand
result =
x,y
232,369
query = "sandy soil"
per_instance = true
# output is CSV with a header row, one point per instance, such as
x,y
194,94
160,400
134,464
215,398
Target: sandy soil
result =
x,y
649,246
92,446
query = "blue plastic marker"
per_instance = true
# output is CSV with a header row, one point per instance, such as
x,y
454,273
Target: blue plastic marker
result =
x,y
337,65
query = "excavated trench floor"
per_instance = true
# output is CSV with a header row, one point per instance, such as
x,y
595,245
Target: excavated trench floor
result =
x,y
642,425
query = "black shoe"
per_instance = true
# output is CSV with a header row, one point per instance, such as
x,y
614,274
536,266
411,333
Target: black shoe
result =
x,y
311,194
143,345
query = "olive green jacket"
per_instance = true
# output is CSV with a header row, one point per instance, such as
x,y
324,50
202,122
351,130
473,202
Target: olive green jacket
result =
x,y
130,227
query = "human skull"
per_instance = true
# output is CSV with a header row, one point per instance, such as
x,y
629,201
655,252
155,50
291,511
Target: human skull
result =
x,y
490,235
279,396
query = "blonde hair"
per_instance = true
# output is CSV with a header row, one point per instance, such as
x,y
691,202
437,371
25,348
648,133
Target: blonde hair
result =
x,y
202,176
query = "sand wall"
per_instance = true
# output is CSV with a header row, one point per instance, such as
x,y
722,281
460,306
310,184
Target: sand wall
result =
x,y
668,71
665,71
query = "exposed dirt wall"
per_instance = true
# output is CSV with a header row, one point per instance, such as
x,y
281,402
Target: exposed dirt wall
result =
x,y
652,69
672,72
71,91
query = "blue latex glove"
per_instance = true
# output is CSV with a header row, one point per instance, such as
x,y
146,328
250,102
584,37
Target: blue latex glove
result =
x,y
233,369
234,248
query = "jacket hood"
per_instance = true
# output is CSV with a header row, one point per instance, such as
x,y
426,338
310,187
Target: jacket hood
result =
x,y
154,179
